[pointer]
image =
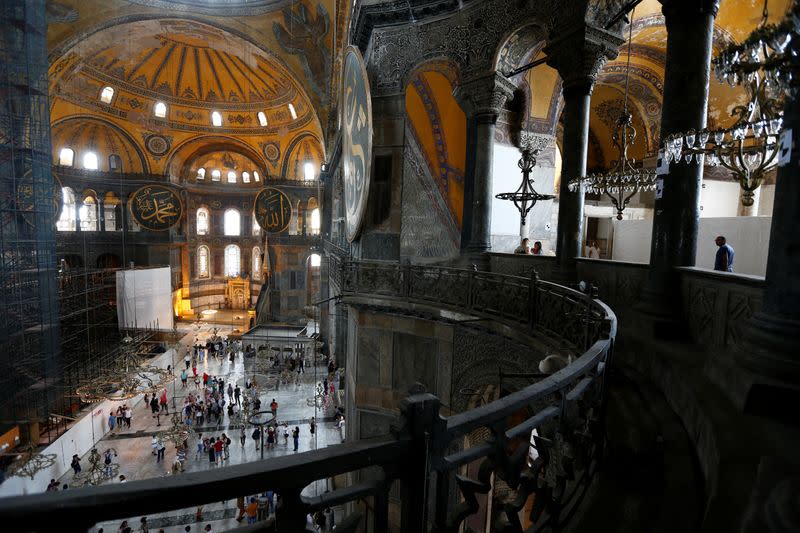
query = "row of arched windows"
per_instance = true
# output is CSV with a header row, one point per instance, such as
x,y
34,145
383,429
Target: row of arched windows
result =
x,y
66,158
87,213
232,223
232,262
232,176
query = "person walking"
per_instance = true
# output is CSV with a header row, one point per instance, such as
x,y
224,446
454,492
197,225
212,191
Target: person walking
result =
x,y
218,446
240,507
76,464
212,450
723,261
257,436
296,437
108,471
200,447
184,377
313,425
252,511
237,392
163,401
162,448
128,416
242,436
112,421
274,407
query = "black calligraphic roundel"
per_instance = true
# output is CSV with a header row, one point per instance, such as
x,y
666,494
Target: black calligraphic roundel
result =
x,y
273,210
155,207
356,140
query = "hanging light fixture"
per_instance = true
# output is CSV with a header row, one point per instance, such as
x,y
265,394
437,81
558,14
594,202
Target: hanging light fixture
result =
x,y
762,64
28,462
525,197
623,180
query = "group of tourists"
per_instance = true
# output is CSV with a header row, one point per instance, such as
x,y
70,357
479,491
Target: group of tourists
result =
x,y
121,417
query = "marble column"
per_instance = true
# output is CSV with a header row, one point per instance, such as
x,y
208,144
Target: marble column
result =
x,y
101,215
482,99
578,57
769,343
676,219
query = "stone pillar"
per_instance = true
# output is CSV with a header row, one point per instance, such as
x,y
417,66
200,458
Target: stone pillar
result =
x,y
769,343
78,205
676,218
578,57
101,215
482,99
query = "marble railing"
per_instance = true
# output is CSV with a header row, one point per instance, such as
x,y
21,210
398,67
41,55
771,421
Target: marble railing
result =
x,y
543,443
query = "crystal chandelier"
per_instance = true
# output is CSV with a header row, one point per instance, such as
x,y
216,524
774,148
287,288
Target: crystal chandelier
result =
x,y
762,64
623,180
525,197
98,471
29,462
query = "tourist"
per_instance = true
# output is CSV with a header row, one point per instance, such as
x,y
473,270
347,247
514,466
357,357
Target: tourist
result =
x,y
236,394
208,529
724,258
537,248
341,427
154,405
270,437
240,507
52,486
524,247
184,377
154,444
313,425
123,526
230,392
112,421
286,433
214,450
242,436
257,436
143,525
593,250
273,406
108,471
187,359
123,479
201,444
128,416
325,385
162,448
296,437
226,442
163,401
76,464
120,416
263,507
252,511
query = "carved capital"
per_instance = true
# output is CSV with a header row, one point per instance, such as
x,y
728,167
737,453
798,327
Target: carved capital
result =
x,y
580,53
535,142
484,95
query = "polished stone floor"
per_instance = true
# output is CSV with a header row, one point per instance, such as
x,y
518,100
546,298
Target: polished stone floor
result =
x,y
136,460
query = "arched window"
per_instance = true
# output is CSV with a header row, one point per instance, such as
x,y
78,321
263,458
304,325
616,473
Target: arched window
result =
x,y
65,157
231,176
256,273
160,110
308,171
216,119
315,221
90,161
262,118
256,176
201,173
111,207
87,214
215,175
256,227
232,223
245,177
202,221
106,95
292,112
114,163
203,270
66,220
232,260
316,260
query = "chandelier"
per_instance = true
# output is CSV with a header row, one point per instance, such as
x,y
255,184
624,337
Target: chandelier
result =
x,y
128,377
98,471
623,180
29,462
178,431
749,149
525,197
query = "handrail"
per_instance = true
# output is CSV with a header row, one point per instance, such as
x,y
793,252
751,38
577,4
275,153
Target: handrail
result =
x,y
552,452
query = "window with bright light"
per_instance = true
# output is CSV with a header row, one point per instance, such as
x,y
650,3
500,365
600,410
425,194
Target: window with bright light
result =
x,y
106,95
256,176
262,118
87,214
90,161
315,221
231,177
160,110
216,119
215,175
245,177
256,263
292,112
202,221
232,222
232,260
201,173
308,171
316,260
65,157
202,262
66,219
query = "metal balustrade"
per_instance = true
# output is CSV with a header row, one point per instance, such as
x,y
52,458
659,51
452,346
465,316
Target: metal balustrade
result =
x,y
442,464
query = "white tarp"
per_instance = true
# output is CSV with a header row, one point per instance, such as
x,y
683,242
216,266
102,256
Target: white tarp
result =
x,y
144,298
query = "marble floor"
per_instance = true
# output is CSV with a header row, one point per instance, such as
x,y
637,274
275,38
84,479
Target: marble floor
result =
x,y
136,460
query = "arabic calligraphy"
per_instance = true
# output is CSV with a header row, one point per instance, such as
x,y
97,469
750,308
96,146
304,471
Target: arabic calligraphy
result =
x,y
273,210
155,207
356,141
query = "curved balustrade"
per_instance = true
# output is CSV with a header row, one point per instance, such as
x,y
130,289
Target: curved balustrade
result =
x,y
551,450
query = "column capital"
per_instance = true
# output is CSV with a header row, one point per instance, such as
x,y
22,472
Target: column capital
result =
x,y
484,95
579,54
677,10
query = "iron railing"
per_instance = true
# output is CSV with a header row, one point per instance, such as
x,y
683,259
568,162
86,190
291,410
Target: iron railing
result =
x,y
442,465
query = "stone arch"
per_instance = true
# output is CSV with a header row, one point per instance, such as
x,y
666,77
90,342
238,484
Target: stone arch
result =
x,y
294,145
186,152
75,130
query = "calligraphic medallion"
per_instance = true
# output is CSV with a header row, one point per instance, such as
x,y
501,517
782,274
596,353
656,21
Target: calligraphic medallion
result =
x,y
155,207
356,140
27,200
273,210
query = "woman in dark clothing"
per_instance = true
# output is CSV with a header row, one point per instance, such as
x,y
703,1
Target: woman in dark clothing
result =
x,y
212,456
